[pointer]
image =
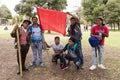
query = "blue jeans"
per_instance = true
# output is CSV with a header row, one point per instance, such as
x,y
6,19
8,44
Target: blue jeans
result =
x,y
100,55
81,54
37,48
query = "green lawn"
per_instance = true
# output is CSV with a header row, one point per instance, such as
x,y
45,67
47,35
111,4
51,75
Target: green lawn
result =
x,y
112,40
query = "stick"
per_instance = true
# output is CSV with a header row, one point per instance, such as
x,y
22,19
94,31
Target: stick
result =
x,y
19,53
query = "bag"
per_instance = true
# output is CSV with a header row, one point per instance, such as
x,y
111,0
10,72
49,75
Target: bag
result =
x,y
94,42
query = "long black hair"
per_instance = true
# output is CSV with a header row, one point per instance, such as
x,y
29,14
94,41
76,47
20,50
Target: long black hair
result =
x,y
101,20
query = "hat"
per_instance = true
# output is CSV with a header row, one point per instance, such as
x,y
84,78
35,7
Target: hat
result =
x,y
94,42
27,21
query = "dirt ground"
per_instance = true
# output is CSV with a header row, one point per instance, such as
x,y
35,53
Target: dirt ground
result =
x,y
50,71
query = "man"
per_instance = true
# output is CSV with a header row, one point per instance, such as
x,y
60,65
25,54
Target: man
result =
x,y
24,42
37,41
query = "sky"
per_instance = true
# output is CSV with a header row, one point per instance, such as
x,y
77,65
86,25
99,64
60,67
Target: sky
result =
x,y
72,5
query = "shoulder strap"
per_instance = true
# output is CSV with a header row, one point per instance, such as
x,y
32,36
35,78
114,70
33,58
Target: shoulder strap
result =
x,y
75,46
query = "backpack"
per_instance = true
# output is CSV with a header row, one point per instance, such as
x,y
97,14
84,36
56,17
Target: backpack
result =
x,y
72,53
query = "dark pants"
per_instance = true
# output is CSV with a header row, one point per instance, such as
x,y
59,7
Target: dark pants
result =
x,y
69,58
81,54
54,59
24,51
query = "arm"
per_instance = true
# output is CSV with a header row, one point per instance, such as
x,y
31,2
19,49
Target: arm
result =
x,y
13,33
77,20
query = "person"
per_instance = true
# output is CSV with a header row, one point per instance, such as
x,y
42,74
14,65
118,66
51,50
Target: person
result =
x,y
37,41
75,32
57,48
24,42
73,54
100,31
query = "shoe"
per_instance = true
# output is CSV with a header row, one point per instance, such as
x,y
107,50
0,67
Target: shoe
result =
x,y
24,69
33,64
101,66
63,67
92,67
41,64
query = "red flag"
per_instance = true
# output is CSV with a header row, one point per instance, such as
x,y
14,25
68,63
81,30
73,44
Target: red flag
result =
x,y
52,20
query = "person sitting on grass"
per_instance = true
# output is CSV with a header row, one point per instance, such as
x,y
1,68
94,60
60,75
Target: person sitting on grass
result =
x,y
57,48
73,54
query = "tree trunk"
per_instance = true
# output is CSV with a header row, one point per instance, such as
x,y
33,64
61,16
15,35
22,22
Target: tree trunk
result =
x,y
114,26
118,26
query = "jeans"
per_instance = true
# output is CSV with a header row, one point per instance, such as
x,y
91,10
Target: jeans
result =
x,y
81,54
37,48
100,55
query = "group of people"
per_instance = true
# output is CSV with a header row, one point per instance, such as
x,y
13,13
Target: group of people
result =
x,y
32,34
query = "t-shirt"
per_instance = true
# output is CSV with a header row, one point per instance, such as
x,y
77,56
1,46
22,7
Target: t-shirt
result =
x,y
36,32
95,30
78,33
57,47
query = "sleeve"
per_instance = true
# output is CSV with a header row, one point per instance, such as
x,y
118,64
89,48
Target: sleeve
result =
x,y
65,48
13,34
92,30
106,30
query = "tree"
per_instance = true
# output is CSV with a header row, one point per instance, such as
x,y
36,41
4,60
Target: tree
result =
x,y
5,12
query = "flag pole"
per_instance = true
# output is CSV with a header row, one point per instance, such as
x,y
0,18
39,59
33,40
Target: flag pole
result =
x,y
19,53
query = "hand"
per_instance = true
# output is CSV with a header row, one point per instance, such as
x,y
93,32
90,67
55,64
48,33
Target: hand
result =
x,y
68,13
101,31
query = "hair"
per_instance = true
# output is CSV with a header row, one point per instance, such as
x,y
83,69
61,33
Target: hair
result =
x,y
57,37
101,20
72,18
72,39
34,17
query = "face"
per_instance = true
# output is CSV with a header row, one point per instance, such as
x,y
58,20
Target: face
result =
x,y
25,25
70,42
72,21
57,41
98,22
34,20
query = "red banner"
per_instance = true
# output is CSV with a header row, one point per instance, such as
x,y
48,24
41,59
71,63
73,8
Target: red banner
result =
x,y
52,20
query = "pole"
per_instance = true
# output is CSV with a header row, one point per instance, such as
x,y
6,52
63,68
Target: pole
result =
x,y
19,53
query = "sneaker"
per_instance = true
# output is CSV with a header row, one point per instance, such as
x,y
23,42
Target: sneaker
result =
x,y
41,64
101,66
78,67
33,64
63,67
92,67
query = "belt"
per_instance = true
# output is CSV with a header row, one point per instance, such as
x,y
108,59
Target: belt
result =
x,y
36,41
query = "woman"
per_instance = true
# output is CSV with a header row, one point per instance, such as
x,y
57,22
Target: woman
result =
x,y
100,31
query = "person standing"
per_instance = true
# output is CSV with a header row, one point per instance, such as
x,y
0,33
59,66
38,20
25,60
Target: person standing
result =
x,y
37,41
24,42
100,31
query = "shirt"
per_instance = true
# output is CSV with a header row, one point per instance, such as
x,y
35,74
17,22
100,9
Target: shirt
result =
x,y
35,32
95,30
77,35
57,47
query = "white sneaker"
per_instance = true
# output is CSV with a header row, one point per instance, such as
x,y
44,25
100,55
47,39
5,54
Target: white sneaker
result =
x,y
92,67
101,66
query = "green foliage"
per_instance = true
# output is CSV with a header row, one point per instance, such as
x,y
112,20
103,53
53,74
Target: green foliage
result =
x,y
26,7
109,10
5,12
